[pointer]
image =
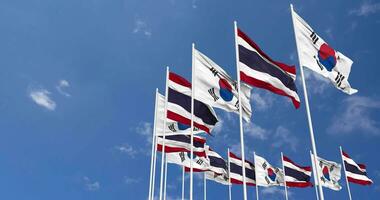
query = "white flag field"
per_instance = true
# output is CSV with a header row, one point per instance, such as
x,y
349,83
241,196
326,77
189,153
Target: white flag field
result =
x,y
315,54
216,88
329,173
183,159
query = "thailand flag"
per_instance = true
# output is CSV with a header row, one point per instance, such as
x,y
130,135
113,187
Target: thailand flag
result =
x,y
259,70
236,170
295,175
179,106
182,143
356,173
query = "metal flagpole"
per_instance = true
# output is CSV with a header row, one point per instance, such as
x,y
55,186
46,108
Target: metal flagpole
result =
x,y
283,169
229,174
257,186
204,186
192,120
163,137
151,184
154,166
240,113
166,176
345,173
314,148
315,181
183,183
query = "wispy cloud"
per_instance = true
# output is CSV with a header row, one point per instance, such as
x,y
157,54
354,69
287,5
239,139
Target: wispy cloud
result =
x,y
256,131
62,85
283,137
366,8
127,149
141,27
41,97
316,83
355,115
130,180
145,129
262,100
91,185
274,191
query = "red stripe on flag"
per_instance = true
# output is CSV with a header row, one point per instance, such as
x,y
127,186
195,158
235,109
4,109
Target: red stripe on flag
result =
x,y
183,120
357,181
170,149
179,80
237,182
265,85
299,184
234,156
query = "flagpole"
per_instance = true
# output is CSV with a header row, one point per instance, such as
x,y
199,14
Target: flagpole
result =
x,y
240,114
204,186
283,169
163,137
307,109
229,174
315,181
257,186
192,120
154,166
345,173
151,184
183,183
166,176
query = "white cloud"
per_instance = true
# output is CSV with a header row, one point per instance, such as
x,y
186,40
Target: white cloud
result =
x,y
329,33
129,180
41,97
62,84
255,131
262,100
194,4
283,137
274,191
355,115
127,149
91,185
145,129
141,27
366,8
218,127
316,83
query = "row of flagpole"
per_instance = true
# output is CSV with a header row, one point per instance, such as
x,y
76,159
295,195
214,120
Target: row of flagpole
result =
x,y
163,172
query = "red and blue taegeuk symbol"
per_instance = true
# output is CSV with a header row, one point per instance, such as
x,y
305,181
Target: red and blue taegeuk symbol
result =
x,y
326,173
182,127
271,174
225,90
326,56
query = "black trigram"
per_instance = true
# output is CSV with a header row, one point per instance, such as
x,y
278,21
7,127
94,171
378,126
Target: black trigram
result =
x,y
267,180
314,37
214,71
339,79
172,128
182,156
211,91
237,105
235,86
264,165
199,162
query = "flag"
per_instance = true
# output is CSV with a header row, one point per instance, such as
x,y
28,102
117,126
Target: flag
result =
x,y
179,106
218,170
216,88
259,70
329,173
172,127
266,174
356,173
182,143
295,175
200,164
236,171
315,54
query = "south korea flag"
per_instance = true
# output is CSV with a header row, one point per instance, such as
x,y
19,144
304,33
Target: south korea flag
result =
x,y
315,54
266,174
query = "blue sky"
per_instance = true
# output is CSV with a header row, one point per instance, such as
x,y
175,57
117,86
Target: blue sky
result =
x,y
78,78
